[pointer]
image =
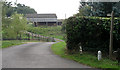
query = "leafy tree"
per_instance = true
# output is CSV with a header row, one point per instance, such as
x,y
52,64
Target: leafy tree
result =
x,y
104,8
22,9
8,9
99,8
13,23
14,26
7,31
18,23
84,11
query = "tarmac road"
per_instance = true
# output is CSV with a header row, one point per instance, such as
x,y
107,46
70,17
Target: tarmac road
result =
x,y
35,55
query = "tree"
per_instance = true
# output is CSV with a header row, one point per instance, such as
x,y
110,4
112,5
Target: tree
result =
x,y
84,11
22,9
100,9
18,24
13,21
14,26
8,9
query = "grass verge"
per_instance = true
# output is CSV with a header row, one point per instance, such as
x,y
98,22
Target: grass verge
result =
x,y
85,58
8,43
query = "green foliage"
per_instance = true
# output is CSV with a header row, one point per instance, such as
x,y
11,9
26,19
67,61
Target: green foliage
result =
x,y
84,11
64,29
100,9
13,26
51,31
86,58
92,33
22,9
8,10
18,22
64,26
13,23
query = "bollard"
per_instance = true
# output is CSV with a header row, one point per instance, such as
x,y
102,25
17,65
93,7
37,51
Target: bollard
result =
x,y
99,55
80,49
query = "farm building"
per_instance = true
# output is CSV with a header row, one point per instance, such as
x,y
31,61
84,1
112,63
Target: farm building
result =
x,y
59,21
43,19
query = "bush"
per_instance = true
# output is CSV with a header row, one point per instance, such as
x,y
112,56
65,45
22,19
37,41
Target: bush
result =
x,y
93,33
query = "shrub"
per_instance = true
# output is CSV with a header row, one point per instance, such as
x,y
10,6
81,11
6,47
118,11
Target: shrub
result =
x,y
93,33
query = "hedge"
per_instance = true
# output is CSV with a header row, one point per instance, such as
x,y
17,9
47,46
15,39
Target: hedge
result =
x,y
91,33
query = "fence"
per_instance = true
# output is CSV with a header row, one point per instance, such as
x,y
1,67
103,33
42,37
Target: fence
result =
x,y
32,36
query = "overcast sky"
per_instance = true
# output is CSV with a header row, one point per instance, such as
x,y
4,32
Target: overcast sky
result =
x,y
60,7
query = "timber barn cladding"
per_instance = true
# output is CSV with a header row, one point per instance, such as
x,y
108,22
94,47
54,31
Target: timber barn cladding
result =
x,y
43,19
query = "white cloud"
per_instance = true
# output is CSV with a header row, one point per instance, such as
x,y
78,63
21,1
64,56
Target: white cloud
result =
x,y
60,7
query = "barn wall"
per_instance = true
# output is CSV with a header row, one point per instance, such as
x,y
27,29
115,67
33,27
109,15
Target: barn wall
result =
x,y
52,23
41,23
46,23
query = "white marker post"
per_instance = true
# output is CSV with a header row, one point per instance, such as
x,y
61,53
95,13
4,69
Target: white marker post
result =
x,y
80,49
99,55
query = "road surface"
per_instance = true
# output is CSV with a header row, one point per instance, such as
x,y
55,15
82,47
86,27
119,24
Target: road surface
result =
x,y
35,55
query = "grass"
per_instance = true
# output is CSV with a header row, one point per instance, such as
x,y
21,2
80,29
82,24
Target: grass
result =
x,y
85,58
8,43
50,31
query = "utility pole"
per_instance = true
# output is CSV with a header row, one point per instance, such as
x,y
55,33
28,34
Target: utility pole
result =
x,y
16,3
111,35
65,15
92,9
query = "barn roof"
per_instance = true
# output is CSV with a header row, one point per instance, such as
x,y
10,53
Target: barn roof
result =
x,y
41,16
42,19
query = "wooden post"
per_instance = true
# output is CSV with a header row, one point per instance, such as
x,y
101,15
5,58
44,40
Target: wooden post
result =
x,y
39,37
32,36
20,37
28,37
46,23
111,35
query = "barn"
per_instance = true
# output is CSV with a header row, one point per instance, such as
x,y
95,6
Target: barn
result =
x,y
43,19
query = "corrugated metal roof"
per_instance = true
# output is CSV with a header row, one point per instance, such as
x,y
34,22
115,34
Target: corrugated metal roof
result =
x,y
42,19
41,16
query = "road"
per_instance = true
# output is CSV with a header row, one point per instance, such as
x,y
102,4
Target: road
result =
x,y
35,55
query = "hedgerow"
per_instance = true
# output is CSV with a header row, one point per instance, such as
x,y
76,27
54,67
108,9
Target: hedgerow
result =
x,y
91,33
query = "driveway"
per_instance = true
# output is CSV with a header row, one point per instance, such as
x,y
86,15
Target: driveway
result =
x,y
35,55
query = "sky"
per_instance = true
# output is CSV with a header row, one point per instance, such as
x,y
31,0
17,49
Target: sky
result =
x,y
59,7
